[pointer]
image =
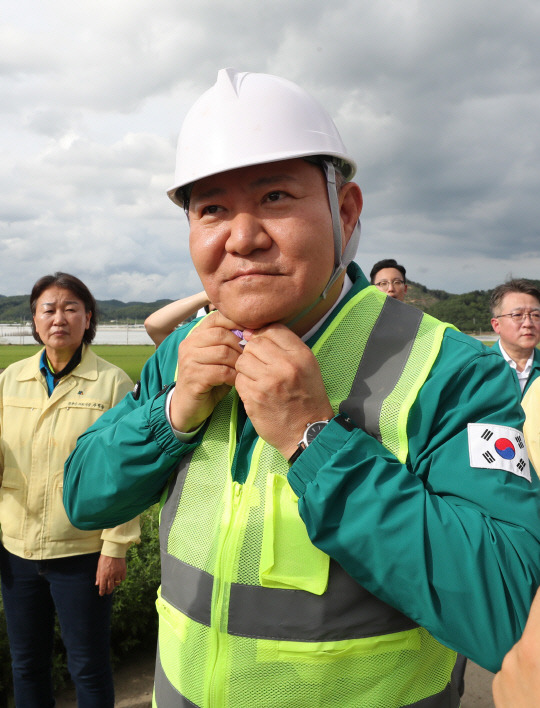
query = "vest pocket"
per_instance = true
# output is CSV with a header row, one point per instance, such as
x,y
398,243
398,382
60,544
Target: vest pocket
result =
x,y
315,652
288,558
175,620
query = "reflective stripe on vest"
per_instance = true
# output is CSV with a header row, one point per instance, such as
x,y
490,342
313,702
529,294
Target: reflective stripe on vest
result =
x,y
393,334
396,349
345,611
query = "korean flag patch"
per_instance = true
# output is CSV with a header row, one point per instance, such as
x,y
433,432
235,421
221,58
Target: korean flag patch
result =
x,y
498,447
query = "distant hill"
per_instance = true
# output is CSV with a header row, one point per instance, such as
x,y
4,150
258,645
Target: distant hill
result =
x,y
16,308
469,311
419,296
117,310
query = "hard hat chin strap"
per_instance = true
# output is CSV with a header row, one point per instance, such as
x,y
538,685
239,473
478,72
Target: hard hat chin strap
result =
x,y
331,186
341,260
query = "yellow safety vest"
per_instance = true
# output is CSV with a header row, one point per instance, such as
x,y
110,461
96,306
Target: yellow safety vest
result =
x,y
251,613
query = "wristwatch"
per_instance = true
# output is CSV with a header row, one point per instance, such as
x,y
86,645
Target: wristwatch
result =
x,y
310,433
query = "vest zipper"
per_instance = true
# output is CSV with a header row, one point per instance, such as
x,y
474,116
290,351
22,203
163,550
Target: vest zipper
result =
x,y
233,523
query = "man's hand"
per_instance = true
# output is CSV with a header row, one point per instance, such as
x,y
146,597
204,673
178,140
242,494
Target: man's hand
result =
x,y
517,685
110,573
206,371
280,384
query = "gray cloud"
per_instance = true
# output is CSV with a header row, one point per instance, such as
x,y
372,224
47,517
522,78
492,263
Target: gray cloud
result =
x,y
439,103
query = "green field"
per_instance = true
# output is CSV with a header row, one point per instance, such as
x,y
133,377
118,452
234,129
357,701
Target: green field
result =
x,y
130,358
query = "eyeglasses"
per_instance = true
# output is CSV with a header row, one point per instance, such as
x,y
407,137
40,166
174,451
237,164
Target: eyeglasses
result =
x,y
519,317
385,284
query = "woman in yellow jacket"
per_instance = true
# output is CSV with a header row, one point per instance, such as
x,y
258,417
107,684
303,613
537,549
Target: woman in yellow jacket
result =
x,y
46,564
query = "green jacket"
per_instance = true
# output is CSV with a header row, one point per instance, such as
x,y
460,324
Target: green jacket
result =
x,y
453,547
248,606
535,370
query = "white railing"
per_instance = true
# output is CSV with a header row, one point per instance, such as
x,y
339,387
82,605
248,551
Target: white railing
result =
x,y
106,334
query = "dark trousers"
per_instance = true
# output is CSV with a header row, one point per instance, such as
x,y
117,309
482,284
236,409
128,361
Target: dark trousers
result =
x,y
32,591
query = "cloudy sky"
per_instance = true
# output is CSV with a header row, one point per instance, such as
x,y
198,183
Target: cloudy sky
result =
x,y
438,101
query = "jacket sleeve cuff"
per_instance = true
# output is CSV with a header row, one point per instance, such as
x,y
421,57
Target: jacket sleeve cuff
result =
x,y
332,439
162,430
114,550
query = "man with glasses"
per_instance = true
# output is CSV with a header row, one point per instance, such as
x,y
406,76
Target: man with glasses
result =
x,y
515,317
389,277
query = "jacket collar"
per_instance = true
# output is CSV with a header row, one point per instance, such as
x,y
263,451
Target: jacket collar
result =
x,y
87,369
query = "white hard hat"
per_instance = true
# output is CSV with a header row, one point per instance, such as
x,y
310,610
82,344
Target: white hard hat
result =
x,y
250,119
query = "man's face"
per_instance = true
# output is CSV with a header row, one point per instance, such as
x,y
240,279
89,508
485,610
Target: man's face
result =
x,y
390,281
517,336
261,240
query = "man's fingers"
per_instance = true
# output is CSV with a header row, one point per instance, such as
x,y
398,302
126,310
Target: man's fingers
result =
x,y
216,319
220,355
277,333
274,343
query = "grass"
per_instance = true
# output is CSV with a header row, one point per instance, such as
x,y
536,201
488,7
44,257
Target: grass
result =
x,y
130,358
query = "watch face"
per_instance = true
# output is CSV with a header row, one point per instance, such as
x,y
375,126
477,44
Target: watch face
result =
x,y
314,429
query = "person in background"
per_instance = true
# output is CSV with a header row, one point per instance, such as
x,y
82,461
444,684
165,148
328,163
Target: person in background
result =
x,y
165,320
517,684
47,565
515,317
336,521
531,428
389,276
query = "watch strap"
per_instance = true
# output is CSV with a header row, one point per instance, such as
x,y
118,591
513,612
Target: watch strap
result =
x,y
345,422
296,454
302,445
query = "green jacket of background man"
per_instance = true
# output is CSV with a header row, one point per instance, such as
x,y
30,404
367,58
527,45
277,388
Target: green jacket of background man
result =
x,y
535,369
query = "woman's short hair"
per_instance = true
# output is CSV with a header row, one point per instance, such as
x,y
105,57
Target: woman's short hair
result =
x,y
74,285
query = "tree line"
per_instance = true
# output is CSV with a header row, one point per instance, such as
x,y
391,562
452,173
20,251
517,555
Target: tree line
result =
x,y
468,311
15,309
